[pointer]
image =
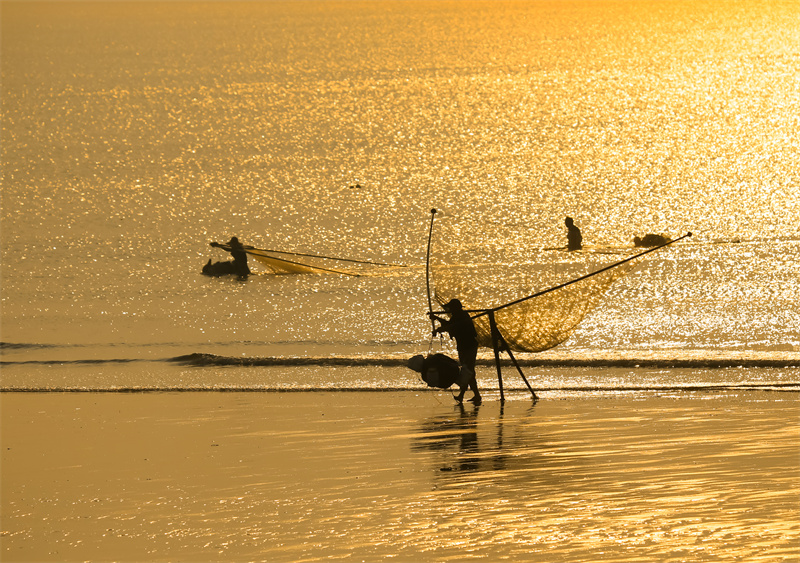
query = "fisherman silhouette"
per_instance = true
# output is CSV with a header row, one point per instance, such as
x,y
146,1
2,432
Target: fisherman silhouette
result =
x,y
574,237
239,257
461,327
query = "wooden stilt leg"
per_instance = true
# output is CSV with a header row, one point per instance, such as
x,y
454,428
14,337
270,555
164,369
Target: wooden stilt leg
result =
x,y
519,369
496,347
498,339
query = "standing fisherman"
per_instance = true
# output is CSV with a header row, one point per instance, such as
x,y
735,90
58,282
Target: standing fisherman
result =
x,y
574,237
461,327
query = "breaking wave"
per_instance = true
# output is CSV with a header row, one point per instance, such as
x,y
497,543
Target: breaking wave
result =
x,y
509,389
672,363
211,360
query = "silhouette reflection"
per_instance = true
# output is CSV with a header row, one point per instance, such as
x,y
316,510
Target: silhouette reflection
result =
x,y
467,440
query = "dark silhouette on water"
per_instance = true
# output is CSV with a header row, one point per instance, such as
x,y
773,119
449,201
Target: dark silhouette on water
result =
x,y
461,327
238,266
650,240
217,269
574,237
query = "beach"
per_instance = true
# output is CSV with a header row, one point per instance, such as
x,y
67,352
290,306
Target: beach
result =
x,y
400,475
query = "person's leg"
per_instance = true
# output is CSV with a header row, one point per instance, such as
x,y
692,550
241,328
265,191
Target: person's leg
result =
x,y
465,379
473,384
468,359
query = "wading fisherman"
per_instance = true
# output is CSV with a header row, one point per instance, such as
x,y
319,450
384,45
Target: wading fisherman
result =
x,y
461,327
574,237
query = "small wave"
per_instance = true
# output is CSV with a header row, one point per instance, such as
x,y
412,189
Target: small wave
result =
x,y
23,346
582,390
200,359
70,362
214,360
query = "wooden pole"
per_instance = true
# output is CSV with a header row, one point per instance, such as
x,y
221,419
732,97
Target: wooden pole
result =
x,y
519,369
496,347
428,274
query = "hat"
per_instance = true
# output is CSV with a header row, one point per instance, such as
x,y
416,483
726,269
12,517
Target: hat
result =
x,y
415,363
453,304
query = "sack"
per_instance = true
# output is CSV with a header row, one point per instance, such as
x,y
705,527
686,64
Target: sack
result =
x,y
440,371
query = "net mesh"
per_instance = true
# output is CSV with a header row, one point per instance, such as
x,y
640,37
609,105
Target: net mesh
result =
x,y
535,324
284,265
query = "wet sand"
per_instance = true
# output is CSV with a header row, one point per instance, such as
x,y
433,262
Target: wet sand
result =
x,y
404,476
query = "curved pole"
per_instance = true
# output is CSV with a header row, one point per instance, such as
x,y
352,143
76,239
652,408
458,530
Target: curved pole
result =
x,y
428,272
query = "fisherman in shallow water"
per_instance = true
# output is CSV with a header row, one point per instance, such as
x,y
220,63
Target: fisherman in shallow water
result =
x,y
461,327
239,256
574,237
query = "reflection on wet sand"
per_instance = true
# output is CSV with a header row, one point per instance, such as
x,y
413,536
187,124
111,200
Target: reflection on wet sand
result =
x,y
378,476
664,479
455,436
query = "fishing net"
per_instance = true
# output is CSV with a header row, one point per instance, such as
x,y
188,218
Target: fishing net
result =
x,y
288,265
284,262
533,325
538,323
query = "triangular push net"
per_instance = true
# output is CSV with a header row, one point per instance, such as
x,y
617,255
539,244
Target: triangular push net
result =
x,y
533,324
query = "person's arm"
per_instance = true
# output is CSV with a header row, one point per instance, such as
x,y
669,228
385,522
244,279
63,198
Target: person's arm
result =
x,y
444,325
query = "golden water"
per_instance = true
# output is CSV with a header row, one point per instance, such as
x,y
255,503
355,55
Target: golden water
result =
x,y
135,133
377,476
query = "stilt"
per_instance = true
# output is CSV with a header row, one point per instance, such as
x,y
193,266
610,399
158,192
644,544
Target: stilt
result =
x,y
497,341
496,347
519,369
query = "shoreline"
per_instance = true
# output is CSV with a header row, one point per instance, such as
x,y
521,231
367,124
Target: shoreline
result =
x,y
513,391
149,377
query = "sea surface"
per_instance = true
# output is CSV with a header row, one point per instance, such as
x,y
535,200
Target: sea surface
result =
x,y
134,134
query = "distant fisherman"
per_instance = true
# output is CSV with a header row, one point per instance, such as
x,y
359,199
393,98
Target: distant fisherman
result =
x,y
461,327
574,237
239,256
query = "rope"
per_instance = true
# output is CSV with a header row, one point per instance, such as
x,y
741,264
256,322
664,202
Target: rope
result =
x,y
252,250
